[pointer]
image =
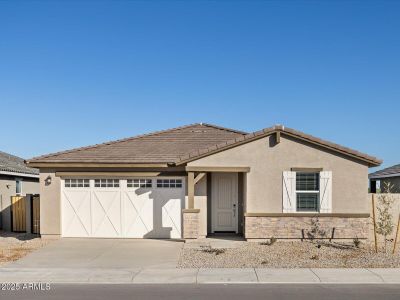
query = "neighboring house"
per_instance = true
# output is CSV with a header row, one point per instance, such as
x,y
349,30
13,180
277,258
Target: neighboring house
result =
x,y
386,176
16,179
202,179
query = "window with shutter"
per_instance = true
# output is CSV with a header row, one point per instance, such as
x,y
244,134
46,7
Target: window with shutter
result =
x,y
307,192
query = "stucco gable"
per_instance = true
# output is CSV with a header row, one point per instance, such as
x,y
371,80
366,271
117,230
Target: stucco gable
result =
x,y
279,130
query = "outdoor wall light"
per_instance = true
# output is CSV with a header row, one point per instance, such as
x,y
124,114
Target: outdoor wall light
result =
x,y
47,181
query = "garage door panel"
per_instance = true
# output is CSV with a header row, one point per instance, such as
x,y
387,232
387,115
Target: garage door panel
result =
x,y
171,217
76,213
138,214
106,213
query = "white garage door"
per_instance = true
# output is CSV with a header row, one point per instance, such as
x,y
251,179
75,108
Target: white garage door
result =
x,y
122,208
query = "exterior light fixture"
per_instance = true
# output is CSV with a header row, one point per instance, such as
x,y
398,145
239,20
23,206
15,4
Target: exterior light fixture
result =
x,y
47,181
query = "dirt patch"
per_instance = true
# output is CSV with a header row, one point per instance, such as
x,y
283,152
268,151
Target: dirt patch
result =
x,y
13,246
295,254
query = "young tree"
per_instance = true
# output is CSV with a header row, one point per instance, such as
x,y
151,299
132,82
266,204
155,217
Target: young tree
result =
x,y
384,224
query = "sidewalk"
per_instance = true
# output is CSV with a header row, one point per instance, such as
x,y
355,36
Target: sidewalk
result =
x,y
201,276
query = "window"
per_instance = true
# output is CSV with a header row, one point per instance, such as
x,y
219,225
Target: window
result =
x,y
106,183
307,192
18,186
143,183
75,183
169,183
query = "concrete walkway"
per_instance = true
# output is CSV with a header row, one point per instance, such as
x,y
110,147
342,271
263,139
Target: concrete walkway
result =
x,y
199,276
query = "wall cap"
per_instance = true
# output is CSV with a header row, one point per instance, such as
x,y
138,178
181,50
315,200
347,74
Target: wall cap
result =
x,y
311,215
191,210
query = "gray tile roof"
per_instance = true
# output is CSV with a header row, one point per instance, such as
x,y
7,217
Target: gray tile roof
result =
x,y
180,145
159,147
387,172
15,164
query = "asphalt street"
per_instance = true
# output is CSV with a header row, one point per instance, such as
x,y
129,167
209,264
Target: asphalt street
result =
x,y
209,292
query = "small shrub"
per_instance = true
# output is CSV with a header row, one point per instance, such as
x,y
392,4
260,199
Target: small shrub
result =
x,y
356,242
314,257
271,241
384,224
210,250
316,232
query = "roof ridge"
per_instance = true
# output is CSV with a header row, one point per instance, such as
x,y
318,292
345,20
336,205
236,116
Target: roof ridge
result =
x,y
129,139
223,128
282,128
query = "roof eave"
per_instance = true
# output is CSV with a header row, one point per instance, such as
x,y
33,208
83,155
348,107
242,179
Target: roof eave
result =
x,y
19,174
42,164
383,176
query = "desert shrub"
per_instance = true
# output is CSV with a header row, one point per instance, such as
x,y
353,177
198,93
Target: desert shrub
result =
x,y
210,250
384,224
271,241
356,242
316,232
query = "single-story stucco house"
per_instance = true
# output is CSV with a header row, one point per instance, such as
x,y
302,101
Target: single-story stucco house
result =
x,y
388,176
202,179
16,179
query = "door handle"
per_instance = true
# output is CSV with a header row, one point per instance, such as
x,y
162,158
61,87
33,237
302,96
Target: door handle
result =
x,y
234,210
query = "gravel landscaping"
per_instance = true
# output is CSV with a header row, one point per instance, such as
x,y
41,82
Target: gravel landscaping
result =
x,y
289,254
13,246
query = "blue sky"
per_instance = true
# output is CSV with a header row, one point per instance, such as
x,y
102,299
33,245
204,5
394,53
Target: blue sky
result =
x,y
83,72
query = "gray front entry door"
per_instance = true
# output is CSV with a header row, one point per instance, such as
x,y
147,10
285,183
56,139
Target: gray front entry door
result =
x,y
224,199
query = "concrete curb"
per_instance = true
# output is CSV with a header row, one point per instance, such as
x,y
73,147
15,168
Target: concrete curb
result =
x,y
200,276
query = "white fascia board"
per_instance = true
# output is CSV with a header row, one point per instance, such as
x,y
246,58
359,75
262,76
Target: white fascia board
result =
x,y
16,174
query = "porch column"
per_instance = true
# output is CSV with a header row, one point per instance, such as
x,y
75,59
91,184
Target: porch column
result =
x,y
190,190
191,216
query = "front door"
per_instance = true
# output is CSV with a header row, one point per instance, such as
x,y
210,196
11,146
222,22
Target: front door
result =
x,y
224,199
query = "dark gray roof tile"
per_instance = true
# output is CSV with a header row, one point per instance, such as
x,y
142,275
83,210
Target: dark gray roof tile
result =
x,y
15,164
387,172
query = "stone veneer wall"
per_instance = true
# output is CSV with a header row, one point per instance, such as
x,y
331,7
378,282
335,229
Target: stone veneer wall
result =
x,y
191,224
297,227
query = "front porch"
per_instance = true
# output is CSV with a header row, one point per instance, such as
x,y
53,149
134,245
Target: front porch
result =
x,y
215,202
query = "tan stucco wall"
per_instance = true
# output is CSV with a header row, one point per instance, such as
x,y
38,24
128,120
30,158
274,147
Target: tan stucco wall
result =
x,y
50,205
7,189
268,160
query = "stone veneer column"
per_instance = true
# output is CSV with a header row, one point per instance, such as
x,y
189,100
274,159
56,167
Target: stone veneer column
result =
x,y
191,223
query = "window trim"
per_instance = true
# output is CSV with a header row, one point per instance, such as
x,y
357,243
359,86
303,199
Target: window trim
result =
x,y
20,186
106,183
139,186
317,192
77,187
180,183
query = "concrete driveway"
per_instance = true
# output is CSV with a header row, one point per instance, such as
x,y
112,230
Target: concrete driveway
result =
x,y
104,253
